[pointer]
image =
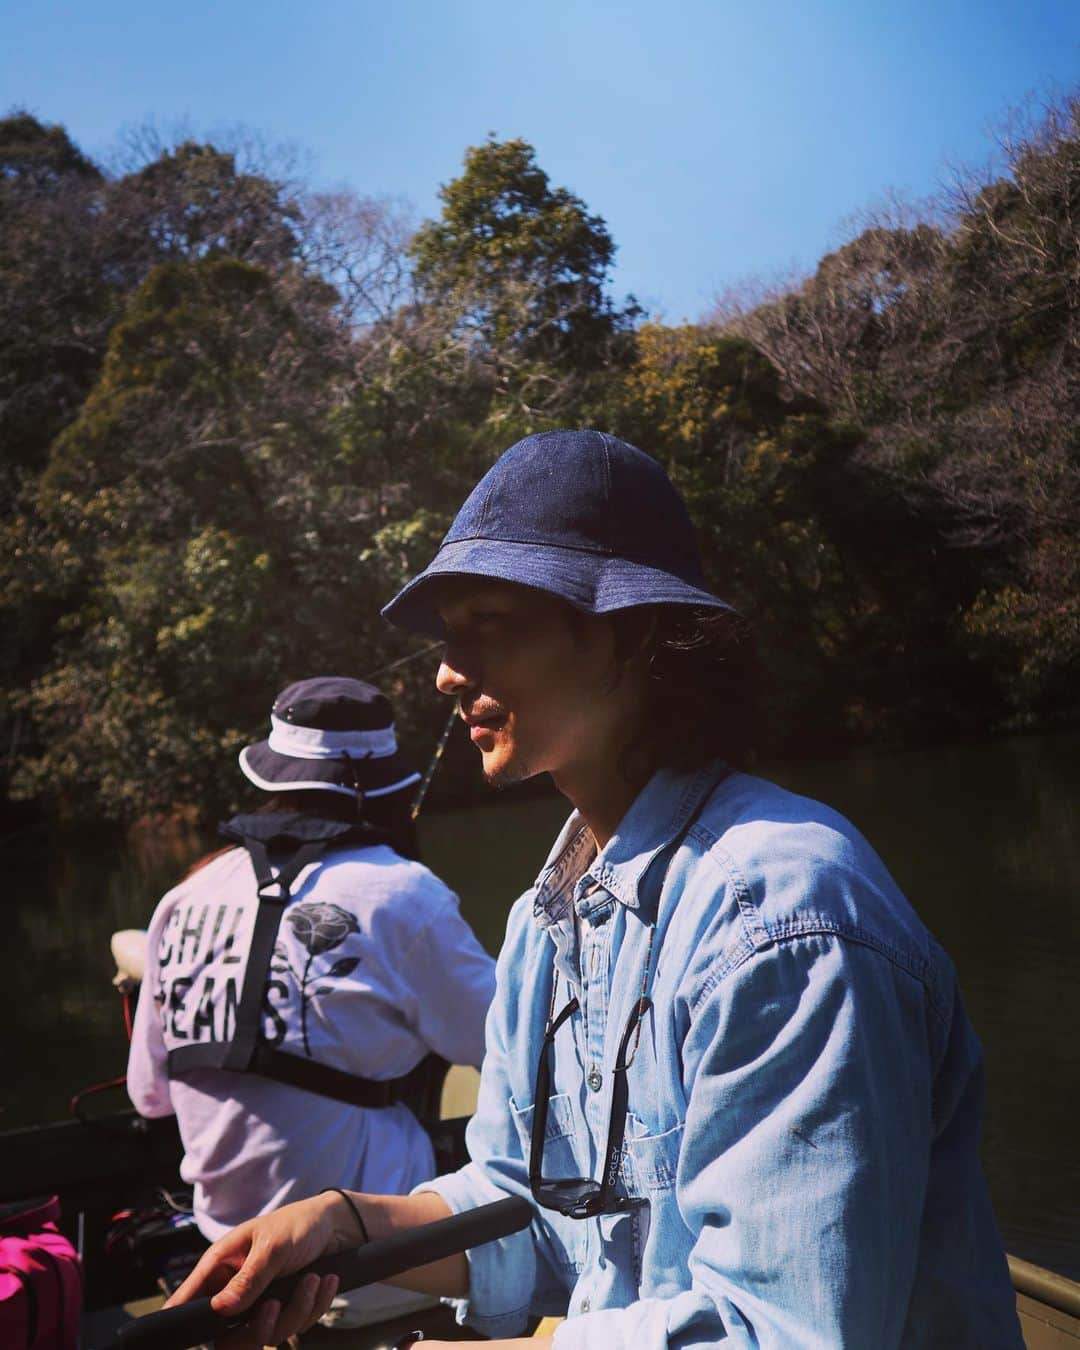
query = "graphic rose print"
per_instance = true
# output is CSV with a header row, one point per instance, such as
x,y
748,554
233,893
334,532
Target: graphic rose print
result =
x,y
319,928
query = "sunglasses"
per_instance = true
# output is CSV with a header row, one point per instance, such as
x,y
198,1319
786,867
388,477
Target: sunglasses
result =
x,y
584,1197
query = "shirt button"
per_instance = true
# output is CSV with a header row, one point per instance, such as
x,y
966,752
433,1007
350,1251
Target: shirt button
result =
x,y
595,1079
585,1305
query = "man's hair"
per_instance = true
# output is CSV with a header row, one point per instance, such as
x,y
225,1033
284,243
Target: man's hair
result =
x,y
700,702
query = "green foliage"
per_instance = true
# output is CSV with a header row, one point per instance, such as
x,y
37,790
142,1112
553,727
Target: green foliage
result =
x,y
134,717
520,267
193,202
55,298
203,379
235,419
523,261
756,471
1030,631
956,348
45,157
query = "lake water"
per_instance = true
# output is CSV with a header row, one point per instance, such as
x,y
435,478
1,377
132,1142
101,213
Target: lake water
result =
x,y
985,840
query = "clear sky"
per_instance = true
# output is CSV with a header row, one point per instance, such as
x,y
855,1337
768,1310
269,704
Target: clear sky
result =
x,y
719,139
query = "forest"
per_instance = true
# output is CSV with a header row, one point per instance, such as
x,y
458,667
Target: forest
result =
x,y
237,412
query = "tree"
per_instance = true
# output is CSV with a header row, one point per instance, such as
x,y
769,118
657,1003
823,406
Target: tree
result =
x,y
861,637
865,331
193,202
210,395
134,715
521,267
45,158
55,306
74,244
955,345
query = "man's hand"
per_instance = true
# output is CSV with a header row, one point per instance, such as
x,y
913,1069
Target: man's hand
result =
x,y
238,1267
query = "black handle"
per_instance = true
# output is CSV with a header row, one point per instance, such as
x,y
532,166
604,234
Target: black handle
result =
x,y
192,1323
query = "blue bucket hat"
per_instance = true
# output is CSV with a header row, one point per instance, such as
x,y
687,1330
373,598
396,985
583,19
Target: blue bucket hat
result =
x,y
578,514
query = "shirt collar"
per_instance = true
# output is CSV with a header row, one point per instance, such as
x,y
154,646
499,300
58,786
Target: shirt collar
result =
x,y
660,813
567,862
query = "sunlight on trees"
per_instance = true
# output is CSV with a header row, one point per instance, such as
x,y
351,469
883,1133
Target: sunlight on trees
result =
x,y
236,414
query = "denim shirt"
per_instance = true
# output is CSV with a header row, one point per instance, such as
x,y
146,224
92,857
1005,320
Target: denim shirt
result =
x,y
804,1103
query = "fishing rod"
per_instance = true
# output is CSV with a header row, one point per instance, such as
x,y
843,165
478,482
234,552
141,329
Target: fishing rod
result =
x,y
191,1324
440,745
429,773
402,661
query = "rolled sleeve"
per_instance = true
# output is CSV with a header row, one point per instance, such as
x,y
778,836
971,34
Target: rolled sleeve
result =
x,y
502,1274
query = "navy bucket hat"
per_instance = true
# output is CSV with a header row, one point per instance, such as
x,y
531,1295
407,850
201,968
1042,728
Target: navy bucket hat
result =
x,y
579,514
329,734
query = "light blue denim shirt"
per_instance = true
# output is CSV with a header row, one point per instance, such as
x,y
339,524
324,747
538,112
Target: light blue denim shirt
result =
x,y
803,1107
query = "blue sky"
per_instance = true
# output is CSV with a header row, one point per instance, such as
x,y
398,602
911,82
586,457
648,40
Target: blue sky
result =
x,y
719,139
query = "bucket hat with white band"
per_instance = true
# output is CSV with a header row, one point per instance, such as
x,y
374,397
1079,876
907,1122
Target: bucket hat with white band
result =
x,y
330,734
579,514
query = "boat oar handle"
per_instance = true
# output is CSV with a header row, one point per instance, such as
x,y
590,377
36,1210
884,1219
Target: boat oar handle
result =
x,y
192,1323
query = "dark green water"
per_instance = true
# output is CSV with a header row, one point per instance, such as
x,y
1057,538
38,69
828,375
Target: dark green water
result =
x,y
985,840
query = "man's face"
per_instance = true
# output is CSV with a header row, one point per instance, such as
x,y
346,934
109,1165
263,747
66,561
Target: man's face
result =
x,y
536,682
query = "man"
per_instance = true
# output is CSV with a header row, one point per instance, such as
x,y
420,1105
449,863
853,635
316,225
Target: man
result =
x,y
283,1036
724,1058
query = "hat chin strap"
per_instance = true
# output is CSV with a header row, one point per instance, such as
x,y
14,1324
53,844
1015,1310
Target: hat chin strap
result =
x,y
350,766
316,743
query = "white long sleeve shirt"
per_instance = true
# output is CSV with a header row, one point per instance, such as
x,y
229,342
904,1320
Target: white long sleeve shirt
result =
x,y
374,967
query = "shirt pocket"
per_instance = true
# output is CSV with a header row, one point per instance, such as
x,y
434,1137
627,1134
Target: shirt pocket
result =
x,y
560,1160
650,1167
652,1160
559,1136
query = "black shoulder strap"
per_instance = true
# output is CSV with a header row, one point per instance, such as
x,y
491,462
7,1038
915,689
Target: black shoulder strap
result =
x,y
308,1074
312,1076
274,893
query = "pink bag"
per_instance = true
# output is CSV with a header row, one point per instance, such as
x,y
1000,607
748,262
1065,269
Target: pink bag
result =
x,y
40,1279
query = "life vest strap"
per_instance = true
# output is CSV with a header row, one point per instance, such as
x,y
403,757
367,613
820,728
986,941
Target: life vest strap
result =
x,y
274,895
293,1070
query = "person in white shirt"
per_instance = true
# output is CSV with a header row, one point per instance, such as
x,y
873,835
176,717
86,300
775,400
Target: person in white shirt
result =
x,y
277,1020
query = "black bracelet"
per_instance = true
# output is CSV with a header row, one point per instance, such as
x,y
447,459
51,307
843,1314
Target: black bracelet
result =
x,y
353,1206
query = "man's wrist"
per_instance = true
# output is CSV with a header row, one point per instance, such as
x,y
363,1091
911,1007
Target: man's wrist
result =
x,y
346,1219
378,1215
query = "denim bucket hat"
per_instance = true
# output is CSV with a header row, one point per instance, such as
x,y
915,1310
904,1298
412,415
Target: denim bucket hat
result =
x,y
579,514
329,734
